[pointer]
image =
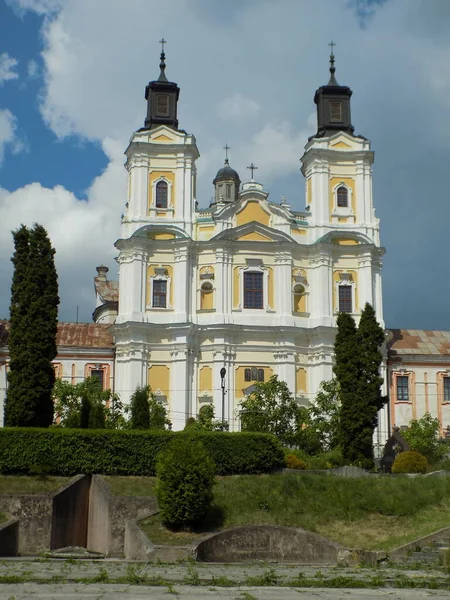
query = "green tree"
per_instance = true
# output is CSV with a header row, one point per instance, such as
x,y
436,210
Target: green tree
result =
x,y
74,405
185,478
423,436
140,408
34,320
357,368
346,370
270,408
205,421
158,413
323,417
370,338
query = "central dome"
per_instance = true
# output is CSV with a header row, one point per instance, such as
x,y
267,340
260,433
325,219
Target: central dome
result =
x,y
226,173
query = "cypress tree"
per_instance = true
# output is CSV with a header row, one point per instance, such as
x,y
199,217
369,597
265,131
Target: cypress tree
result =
x,y
346,370
34,321
370,338
140,408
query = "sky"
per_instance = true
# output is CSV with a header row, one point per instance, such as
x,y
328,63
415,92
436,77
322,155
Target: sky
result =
x,y
72,81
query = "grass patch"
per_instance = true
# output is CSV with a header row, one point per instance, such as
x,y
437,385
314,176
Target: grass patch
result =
x,y
364,513
132,486
25,484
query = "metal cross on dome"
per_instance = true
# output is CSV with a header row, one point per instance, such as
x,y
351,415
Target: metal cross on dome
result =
x,y
226,148
252,169
162,41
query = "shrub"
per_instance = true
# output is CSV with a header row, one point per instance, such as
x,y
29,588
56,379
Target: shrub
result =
x,y
292,462
140,409
423,437
126,452
185,474
409,462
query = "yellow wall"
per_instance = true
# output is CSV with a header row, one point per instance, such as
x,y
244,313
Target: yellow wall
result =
x,y
345,242
159,378
169,176
301,382
340,145
205,379
236,287
254,237
241,384
350,183
151,273
206,300
300,302
336,278
252,212
161,236
162,138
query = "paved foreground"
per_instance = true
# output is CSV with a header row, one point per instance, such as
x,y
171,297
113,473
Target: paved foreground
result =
x,y
51,579
69,591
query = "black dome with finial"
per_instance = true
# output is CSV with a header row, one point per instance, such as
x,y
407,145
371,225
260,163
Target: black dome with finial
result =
x,y
226,173
162,98
333,105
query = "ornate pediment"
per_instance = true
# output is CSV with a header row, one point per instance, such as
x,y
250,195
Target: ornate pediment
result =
x,y
253,232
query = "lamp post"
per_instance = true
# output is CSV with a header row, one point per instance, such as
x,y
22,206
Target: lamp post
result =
x,y
223,372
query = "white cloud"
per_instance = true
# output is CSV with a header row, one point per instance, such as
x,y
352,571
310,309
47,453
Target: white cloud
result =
x,y
237,107
8,65
82,232
9,138
41,7
32,69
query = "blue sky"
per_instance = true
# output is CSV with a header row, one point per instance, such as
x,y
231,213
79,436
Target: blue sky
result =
x,y
72,79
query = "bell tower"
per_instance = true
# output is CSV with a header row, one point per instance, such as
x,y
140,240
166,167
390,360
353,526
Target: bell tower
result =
x,y
162,98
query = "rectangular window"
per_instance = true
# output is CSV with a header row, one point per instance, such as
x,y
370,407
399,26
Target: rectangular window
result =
x,y
336,112
446,389
253,290
162,105
159,293
345,298
99,374
402,388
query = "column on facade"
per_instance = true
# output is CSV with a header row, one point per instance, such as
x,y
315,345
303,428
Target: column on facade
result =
x,y
377,292
181,283
362,214
365,281
283,284
138,202
180,391
132,364
219,281
321,291
285,367
320,192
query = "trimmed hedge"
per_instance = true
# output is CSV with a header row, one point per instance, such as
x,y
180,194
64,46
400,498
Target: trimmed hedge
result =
x,y
58,451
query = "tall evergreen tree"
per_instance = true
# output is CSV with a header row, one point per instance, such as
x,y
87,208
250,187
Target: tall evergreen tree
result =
x,y
370,339
34,320
357,369
347,371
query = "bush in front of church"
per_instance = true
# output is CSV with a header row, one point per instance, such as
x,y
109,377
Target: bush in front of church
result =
x,y
186,475
409,462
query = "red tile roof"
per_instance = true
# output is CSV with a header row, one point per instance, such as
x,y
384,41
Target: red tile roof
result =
x,y
418,341
74,335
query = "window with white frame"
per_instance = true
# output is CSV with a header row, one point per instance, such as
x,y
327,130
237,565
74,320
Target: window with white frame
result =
x,y
446,382
342,197
160,289
162,194
253,289
254,374
402,383
345,298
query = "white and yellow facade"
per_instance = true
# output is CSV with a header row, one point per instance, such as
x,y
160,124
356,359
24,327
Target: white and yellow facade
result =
x,y
201,258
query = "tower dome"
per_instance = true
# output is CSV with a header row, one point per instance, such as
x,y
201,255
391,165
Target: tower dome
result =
x,y
226,183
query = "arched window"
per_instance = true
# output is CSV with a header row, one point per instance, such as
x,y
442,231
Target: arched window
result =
x,y
228,191
342,197
161,194
254,374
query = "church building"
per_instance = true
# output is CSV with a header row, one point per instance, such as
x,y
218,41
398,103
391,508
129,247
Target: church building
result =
x,y
247,285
